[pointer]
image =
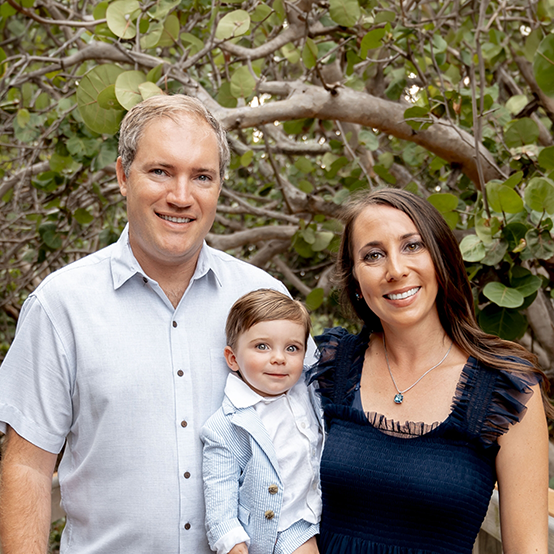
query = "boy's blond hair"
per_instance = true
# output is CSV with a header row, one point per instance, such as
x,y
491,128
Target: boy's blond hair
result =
x,y
264,305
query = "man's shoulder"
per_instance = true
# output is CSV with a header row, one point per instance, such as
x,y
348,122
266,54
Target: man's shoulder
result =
x,y
87,269
225,261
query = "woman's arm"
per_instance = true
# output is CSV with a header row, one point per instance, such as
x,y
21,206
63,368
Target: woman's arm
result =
x,y
522,470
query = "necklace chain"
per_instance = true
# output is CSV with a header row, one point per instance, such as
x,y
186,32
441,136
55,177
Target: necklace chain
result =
x,y
399,397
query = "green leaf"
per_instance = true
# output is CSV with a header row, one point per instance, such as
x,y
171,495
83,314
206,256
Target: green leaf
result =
x,y
83,217
224,96
234,24
546,158
503,296
246,158
291,53
521,132
108,100
527,285
418,118
50,236
540,244
495,252
170,34
344,12
262,12
503,199
304,165
121,15
322,240
543,65
506,323
195,43
23,117
473,250
315,299
372,40
539,195
163,7
514,233
370,139
516,103
309,53
95,117
444,202
152,38
99,11
126,88
514,180
148,89
243,83
305,186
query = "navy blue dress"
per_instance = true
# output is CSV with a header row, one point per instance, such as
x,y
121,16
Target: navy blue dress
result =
x,y
391,488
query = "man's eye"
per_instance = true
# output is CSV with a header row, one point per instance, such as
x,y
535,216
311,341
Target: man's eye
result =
x,y
158,171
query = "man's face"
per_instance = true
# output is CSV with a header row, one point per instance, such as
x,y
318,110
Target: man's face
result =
x,y
172,191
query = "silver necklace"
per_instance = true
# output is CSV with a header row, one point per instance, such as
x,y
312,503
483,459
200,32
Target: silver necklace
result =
x,y
399,397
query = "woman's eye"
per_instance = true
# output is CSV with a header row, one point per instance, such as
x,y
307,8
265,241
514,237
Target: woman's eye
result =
x,y
414,246
373,256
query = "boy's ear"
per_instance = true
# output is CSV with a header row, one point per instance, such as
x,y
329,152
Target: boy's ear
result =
x,y
230,358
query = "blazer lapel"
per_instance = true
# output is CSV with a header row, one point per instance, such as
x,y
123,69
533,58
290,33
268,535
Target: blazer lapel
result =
x,y
248,419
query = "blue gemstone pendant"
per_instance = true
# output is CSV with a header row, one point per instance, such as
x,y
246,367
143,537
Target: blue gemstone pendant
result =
x,y
398,398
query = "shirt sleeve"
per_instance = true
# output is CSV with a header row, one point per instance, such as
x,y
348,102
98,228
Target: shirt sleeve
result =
x,y
35,381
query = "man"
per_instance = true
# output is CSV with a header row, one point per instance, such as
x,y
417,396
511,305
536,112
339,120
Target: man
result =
x,y
120,357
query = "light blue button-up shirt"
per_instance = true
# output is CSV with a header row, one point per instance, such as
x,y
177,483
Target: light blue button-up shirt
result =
x,y
102,357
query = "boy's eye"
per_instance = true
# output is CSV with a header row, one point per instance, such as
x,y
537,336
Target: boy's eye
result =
x,y
292,348
262,346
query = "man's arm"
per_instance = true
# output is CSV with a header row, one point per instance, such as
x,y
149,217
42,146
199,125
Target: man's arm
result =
x,y
25,496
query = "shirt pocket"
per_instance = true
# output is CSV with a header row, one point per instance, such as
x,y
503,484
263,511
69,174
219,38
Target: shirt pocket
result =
x,y
244,515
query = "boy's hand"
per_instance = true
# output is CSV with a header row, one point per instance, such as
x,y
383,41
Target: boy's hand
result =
x,y
309,547
240,548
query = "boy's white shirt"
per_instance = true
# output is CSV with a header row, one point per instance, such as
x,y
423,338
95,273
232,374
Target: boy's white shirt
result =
x,y
296,434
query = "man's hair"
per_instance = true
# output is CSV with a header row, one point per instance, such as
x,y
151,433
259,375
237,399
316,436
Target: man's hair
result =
x,y
264,305
173,107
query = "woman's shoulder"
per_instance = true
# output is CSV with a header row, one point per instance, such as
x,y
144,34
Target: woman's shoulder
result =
x,y
340,361
492,399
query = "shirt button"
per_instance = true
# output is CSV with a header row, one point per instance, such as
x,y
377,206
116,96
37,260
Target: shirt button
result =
x,y
270,514
314,485
303,425
145,279
180,373
187,475
174,324
273,489
187,526
184,423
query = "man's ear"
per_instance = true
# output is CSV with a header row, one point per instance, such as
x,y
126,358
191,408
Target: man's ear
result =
x,y
121,177
231,359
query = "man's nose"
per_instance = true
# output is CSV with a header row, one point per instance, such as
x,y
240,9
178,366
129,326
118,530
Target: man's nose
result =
x,y
180,192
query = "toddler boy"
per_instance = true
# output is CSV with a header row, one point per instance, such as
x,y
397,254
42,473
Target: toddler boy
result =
x,y
262,447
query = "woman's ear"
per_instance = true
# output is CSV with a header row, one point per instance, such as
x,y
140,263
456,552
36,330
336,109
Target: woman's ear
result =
x,y
231,359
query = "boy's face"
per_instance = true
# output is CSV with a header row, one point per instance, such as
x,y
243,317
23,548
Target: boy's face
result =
x,y
269,356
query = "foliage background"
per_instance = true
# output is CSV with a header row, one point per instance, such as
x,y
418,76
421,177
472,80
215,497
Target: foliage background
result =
x,y
453,100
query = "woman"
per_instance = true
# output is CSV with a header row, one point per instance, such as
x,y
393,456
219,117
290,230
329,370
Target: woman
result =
x,y
424,411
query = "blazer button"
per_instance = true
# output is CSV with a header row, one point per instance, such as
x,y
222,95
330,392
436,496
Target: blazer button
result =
x,y
270,514
273,489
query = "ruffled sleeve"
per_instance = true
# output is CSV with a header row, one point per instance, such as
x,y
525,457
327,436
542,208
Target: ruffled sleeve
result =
x,y
492,400
338,369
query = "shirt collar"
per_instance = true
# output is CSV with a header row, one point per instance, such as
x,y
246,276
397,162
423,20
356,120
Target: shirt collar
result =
x,y
124,264
242,396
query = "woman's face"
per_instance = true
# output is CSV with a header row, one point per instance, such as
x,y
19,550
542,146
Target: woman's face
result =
x,y
394,269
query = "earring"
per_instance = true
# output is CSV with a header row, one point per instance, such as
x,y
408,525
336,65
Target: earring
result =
x,y
358,296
